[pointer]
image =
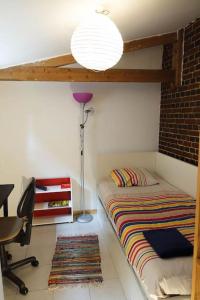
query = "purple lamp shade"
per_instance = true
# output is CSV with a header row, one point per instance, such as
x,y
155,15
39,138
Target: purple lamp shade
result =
x,y
82,97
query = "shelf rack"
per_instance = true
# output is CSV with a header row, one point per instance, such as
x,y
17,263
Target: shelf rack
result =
x,y
43,214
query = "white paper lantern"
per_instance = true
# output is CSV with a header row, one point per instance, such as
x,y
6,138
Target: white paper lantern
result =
x,y
96,43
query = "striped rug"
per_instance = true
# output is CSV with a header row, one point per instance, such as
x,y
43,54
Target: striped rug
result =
x,y
76,261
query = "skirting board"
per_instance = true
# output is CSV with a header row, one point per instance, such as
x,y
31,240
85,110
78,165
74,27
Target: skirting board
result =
x,y
88,211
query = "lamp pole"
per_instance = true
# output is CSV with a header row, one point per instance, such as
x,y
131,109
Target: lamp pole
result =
x,y
83,218
83,98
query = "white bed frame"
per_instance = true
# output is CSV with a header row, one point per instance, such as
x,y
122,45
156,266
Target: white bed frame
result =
x,y
177,173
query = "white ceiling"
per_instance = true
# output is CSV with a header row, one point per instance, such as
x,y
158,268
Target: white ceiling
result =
x,y
34,29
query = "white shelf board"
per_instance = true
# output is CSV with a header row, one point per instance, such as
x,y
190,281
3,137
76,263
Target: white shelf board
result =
x,y
44,205
52,189
52,220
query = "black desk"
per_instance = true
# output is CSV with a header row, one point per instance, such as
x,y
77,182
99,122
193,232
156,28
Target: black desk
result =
x,y
5,190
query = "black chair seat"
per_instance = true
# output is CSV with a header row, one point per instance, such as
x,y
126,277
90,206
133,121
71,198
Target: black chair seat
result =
x,y
10,229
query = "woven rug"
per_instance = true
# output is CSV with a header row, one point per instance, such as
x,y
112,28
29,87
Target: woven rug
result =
x,y
76,261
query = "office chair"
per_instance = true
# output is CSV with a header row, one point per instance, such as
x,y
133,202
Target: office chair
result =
x,y
18,230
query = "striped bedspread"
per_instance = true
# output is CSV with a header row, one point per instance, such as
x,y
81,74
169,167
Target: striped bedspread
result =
x,y
133,215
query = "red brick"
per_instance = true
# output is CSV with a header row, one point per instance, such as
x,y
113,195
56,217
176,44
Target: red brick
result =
x,y
180,107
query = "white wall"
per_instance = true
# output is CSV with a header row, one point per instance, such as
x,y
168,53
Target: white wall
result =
x,y
39,126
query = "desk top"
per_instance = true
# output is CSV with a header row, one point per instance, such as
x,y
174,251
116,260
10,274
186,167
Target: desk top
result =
x,y
5,190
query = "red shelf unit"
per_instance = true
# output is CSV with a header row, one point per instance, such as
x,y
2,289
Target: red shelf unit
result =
x,y
50,215
55,196
52,212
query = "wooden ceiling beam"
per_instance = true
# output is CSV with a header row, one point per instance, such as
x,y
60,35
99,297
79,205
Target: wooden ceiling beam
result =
x,y
68,59
152,41
57,61
83,75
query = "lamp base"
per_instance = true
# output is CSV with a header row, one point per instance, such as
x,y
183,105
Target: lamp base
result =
x,y
84,218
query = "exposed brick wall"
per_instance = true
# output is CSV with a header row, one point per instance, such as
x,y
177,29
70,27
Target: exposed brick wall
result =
x,y
180,107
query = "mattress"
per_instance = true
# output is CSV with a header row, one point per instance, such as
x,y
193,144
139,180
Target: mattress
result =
x,y
135,209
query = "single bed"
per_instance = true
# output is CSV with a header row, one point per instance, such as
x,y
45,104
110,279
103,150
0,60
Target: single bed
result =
x,y
132,210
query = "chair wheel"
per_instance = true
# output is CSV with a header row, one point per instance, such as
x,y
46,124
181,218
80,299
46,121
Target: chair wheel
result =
x,y
23,290
35,263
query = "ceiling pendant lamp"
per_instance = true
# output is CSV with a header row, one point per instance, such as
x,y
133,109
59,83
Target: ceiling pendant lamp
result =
x,y
96,43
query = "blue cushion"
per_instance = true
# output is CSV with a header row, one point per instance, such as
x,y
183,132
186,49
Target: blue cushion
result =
x,y
168,242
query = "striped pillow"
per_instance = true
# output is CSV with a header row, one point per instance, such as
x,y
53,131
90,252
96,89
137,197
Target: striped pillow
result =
x,y
127,177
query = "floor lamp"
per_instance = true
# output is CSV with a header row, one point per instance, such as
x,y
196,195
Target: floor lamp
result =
x,y
83,99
